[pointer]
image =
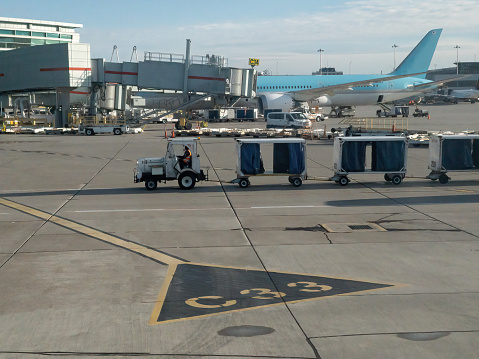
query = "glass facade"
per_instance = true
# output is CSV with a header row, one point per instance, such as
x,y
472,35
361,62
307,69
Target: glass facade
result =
x,y
18,33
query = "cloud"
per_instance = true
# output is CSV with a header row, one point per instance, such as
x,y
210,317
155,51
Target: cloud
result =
x,y
356,35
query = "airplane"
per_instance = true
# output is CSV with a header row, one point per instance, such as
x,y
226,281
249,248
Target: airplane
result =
x,y
343,91
471,95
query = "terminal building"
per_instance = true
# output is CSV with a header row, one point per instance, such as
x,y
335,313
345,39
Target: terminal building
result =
x,y
18,33
469,71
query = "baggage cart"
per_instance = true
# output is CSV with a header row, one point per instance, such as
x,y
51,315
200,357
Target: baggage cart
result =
x,y
388,156
289,159
452,153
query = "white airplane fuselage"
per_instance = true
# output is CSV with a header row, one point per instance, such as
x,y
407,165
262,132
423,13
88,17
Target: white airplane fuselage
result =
x,y
283,92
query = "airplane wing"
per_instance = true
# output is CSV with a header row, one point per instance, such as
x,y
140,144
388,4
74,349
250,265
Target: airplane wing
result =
x,y
311,94
434,83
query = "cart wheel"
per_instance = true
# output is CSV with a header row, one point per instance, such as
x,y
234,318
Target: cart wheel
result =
x,y
186,180
117,131
343,181
243,183
151,184
443,179
89,132
396,179
290,179
297,182
387,178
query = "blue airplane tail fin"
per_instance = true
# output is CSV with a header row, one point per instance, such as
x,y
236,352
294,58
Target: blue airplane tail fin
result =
x,y
420,57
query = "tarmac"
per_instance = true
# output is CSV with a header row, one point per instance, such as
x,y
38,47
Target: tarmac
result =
x,y
94,265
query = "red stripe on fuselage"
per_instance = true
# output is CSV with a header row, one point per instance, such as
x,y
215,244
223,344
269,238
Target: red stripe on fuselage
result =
x,y
66,69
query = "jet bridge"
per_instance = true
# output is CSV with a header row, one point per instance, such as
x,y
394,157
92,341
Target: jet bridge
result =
x,y
58,69
174,81
52,74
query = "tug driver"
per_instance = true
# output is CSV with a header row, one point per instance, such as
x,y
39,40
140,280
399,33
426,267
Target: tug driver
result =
x,y
185,160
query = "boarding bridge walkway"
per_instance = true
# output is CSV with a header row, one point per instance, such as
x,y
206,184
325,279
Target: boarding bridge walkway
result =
x,y
64,71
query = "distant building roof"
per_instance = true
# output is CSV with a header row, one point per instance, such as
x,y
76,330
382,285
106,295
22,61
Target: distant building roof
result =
x,y
5,20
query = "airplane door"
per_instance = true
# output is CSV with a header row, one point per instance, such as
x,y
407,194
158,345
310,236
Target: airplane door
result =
x,y
380,98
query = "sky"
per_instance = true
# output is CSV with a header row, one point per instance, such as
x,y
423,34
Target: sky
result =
x,y
357,36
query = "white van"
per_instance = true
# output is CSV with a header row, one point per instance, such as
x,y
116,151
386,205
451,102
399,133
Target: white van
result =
x,y
287,120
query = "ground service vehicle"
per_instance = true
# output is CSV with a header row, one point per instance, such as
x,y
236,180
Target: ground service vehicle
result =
x,y
287,120
91,130
170,167
420,113
399,111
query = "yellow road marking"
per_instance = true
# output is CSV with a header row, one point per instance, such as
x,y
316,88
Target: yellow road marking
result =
x,y
162,295
134,247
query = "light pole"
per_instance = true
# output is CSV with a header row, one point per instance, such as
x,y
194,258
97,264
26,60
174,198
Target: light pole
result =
x,y
457,47
394,47
320,62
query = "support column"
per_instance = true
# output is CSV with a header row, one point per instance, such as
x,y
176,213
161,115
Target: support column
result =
x,y
63,106
187,70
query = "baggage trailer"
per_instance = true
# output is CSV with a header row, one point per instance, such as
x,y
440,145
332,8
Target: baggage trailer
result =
x,y
92,125
289,159
388,156
448,153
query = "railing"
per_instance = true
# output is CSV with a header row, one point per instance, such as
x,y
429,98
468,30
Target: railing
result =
x,y
159,56
210,60
378,123
195,59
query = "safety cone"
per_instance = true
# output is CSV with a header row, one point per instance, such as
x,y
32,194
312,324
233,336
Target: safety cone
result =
x,y
166,134
173,133
428,117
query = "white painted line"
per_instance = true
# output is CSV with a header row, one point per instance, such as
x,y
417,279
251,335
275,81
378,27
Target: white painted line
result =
x,y
273,207
191,209
148,210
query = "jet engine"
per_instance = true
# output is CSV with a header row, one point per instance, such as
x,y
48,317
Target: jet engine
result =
x,y
324,100
280,101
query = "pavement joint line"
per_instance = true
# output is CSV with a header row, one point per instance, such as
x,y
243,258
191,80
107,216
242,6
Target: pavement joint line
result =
x,y
398,201
394,333
312,346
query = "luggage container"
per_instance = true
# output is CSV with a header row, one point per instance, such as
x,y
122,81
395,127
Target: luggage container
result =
x,y
288,159
388,156
452,153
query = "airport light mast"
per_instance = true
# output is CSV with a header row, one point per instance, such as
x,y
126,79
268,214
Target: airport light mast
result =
x,y
394,47
457,47
320,62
